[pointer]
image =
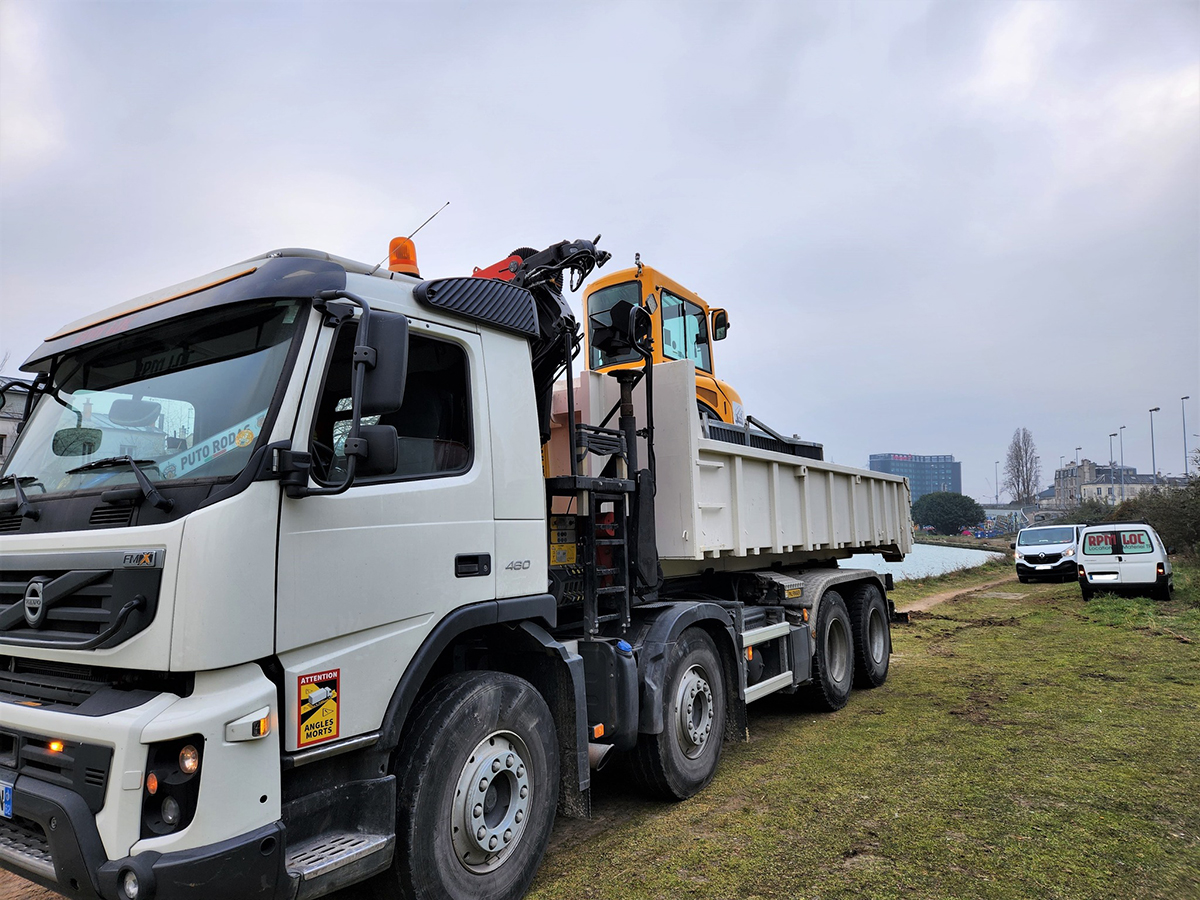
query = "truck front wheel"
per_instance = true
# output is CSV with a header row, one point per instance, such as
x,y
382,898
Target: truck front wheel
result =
x,y
477,782
679,761
872,636
833,663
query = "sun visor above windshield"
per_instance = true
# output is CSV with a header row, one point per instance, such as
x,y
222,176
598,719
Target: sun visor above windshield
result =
x,y
256,279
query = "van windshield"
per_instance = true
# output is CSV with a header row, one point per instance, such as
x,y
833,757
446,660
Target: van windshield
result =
x,y
1037,537
186,399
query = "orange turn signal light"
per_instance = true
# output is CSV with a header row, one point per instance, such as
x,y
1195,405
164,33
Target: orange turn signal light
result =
x,y
56,747
597,731
402,256
152,783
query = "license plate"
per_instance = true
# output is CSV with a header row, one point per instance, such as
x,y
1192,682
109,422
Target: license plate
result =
x,y
1046,566
6,799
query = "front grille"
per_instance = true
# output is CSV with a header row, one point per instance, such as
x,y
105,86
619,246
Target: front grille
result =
x,y
1041,559
68,687
96,603
79,767
23,843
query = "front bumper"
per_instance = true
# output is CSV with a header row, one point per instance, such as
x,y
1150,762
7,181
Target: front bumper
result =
x,y
52,840
1061,569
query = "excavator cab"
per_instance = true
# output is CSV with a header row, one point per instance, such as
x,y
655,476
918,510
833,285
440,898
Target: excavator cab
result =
x,y
683,326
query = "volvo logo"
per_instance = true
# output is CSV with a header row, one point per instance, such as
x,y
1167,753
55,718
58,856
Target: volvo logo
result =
x,y
35,605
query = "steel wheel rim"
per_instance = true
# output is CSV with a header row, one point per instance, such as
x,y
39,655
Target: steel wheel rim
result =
x,y
490,807
876,631
837,650
693,712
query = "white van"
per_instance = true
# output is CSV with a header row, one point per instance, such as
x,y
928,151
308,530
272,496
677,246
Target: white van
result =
x,y
1127,558
1046,551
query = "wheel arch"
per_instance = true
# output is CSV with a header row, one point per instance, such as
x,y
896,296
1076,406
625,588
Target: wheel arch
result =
x,y
511,635
661,628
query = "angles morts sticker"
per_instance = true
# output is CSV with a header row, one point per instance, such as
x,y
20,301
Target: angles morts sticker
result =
x,y
317,695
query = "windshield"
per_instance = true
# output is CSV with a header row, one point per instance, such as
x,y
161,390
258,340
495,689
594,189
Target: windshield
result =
x,y
1040,536
186,399
598,305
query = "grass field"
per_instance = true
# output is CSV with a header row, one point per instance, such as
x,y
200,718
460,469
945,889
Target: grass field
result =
x,y
1025,745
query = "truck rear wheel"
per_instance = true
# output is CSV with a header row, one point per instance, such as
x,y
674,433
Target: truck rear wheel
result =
x,y
477,787
682,759
833,663
872,636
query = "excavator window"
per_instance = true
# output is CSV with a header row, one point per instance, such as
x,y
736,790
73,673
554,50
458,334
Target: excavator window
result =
x,y
598,308
685,331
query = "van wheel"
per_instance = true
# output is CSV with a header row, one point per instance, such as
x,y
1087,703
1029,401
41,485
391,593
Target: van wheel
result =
x,y
1162,593
833,664
682,759
477,787
872,636
1087,592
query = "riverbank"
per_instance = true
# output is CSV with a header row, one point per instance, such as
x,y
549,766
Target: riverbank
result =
x,y
999,544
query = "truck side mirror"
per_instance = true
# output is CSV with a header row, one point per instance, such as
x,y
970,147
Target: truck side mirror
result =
x,y
720,324
1012,545
383,382
382,454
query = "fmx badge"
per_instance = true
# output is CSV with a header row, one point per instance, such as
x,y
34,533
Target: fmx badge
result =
x,y
318,698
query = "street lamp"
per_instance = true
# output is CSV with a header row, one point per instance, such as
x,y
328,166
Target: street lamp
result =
x,y
1153,462
1183,412
1077,449
1122,431
1110,467
997,484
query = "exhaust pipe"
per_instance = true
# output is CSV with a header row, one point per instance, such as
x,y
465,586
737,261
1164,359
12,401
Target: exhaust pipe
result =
x,y
598,755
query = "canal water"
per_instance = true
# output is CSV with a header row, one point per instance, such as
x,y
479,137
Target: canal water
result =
x,y
924,561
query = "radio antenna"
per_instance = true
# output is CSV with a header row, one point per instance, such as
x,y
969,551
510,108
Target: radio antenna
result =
x,y
430,219
410,237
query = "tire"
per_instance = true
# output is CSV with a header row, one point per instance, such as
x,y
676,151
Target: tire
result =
x,y
872,636
682,759
1162,593
1087,591
1023,579
479,740
833,663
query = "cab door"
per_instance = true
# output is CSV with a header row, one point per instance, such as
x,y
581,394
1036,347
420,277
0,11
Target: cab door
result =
x,y
365,575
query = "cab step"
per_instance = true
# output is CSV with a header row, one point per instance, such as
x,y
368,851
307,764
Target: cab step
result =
x,y
333,860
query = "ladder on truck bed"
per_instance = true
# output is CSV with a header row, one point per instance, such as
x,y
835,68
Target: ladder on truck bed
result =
x,y
590,564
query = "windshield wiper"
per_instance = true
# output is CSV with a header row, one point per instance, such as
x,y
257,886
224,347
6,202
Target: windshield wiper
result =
x,y
149,491
22,507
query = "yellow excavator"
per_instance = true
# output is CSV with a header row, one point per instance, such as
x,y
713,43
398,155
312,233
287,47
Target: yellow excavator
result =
x,y
683,327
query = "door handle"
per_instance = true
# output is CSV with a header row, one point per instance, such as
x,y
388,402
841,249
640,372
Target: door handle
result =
x,y
468,565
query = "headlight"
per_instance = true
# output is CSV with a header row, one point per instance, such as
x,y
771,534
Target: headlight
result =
x,y
172,781
1020,555
1070,551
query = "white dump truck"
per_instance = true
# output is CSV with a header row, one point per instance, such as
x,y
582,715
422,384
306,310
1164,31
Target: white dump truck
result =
x,y
309,577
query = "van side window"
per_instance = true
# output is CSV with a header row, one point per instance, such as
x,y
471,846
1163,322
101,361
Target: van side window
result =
x,y
433,426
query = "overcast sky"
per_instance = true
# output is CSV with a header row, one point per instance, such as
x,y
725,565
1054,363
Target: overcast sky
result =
x,y
932,223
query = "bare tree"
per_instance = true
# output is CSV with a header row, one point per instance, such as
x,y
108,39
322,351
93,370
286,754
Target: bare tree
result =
x,y
1022,470
4,357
